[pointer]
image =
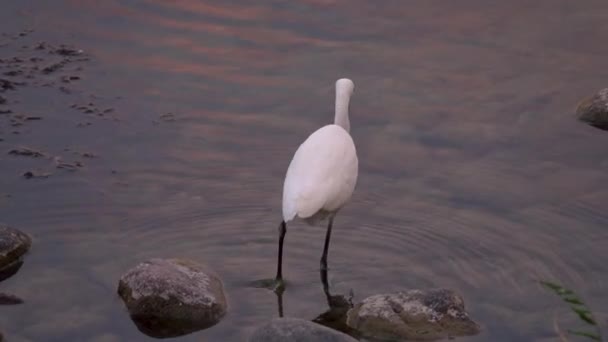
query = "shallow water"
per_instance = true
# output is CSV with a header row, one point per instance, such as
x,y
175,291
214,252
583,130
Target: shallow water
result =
x,y
474,174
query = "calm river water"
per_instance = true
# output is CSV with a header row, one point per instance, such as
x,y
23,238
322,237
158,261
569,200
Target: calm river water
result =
x,y
474,174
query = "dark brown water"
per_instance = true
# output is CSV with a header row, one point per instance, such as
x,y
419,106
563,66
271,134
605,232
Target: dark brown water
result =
x,y
474,174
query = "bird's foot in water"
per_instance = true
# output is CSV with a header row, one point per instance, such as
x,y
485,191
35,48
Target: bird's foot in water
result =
x,y
275,284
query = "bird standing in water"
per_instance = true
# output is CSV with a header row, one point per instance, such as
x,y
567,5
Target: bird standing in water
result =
x,y
321,176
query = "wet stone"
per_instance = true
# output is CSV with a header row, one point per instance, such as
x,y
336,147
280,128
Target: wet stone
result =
x,y
10,270
296,330
8,299
65,50
594,110
13,245
35,174
26,152
6,85
412,315
54,67
13,73
172,297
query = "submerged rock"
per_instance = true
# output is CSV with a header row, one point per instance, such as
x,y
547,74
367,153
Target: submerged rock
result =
x,y
594,110
168,298
8,299
35,174
26,152
6,85
296,330
412,315
65,50
13,245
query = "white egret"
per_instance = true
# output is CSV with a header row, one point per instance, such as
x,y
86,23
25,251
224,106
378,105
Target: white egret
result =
x,y
321,176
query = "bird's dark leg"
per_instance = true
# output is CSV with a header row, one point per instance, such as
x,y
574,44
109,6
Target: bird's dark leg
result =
x,y
326,247
325,283
282,231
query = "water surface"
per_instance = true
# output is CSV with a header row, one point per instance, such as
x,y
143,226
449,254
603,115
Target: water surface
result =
x,y
474,174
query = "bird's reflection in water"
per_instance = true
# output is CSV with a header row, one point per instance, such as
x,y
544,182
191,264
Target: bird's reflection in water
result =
x,y
339,305
335,316
279,292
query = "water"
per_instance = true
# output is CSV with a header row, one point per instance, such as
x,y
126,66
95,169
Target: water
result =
x,y
474,174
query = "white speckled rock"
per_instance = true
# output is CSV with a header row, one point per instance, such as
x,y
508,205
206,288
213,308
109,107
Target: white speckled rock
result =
x,y
172,297
297,330
594,110
412,315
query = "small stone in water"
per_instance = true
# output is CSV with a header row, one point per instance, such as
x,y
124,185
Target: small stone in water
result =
x,y
26,152
35,174
7,299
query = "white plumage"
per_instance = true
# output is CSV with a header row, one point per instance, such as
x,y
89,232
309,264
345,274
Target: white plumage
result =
x,y
322,175
323,172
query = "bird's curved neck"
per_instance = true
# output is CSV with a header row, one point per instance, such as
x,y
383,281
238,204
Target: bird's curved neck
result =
x,y
342,100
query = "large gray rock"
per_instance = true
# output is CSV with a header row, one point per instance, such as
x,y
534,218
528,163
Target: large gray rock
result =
x,y
168,298
594,110
412,315
296,330
13,245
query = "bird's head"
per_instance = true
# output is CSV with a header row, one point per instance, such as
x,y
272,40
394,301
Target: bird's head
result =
x,y
345,86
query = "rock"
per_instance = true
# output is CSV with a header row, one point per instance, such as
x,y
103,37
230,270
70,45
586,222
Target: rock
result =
x,y
296,330
26,152
3,100
594,110
10,270
9,85
13,245
65,50
172,297
54,67
6,85
35,174
412,315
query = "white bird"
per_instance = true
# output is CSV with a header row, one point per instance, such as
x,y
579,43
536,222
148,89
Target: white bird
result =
x,y
322,174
